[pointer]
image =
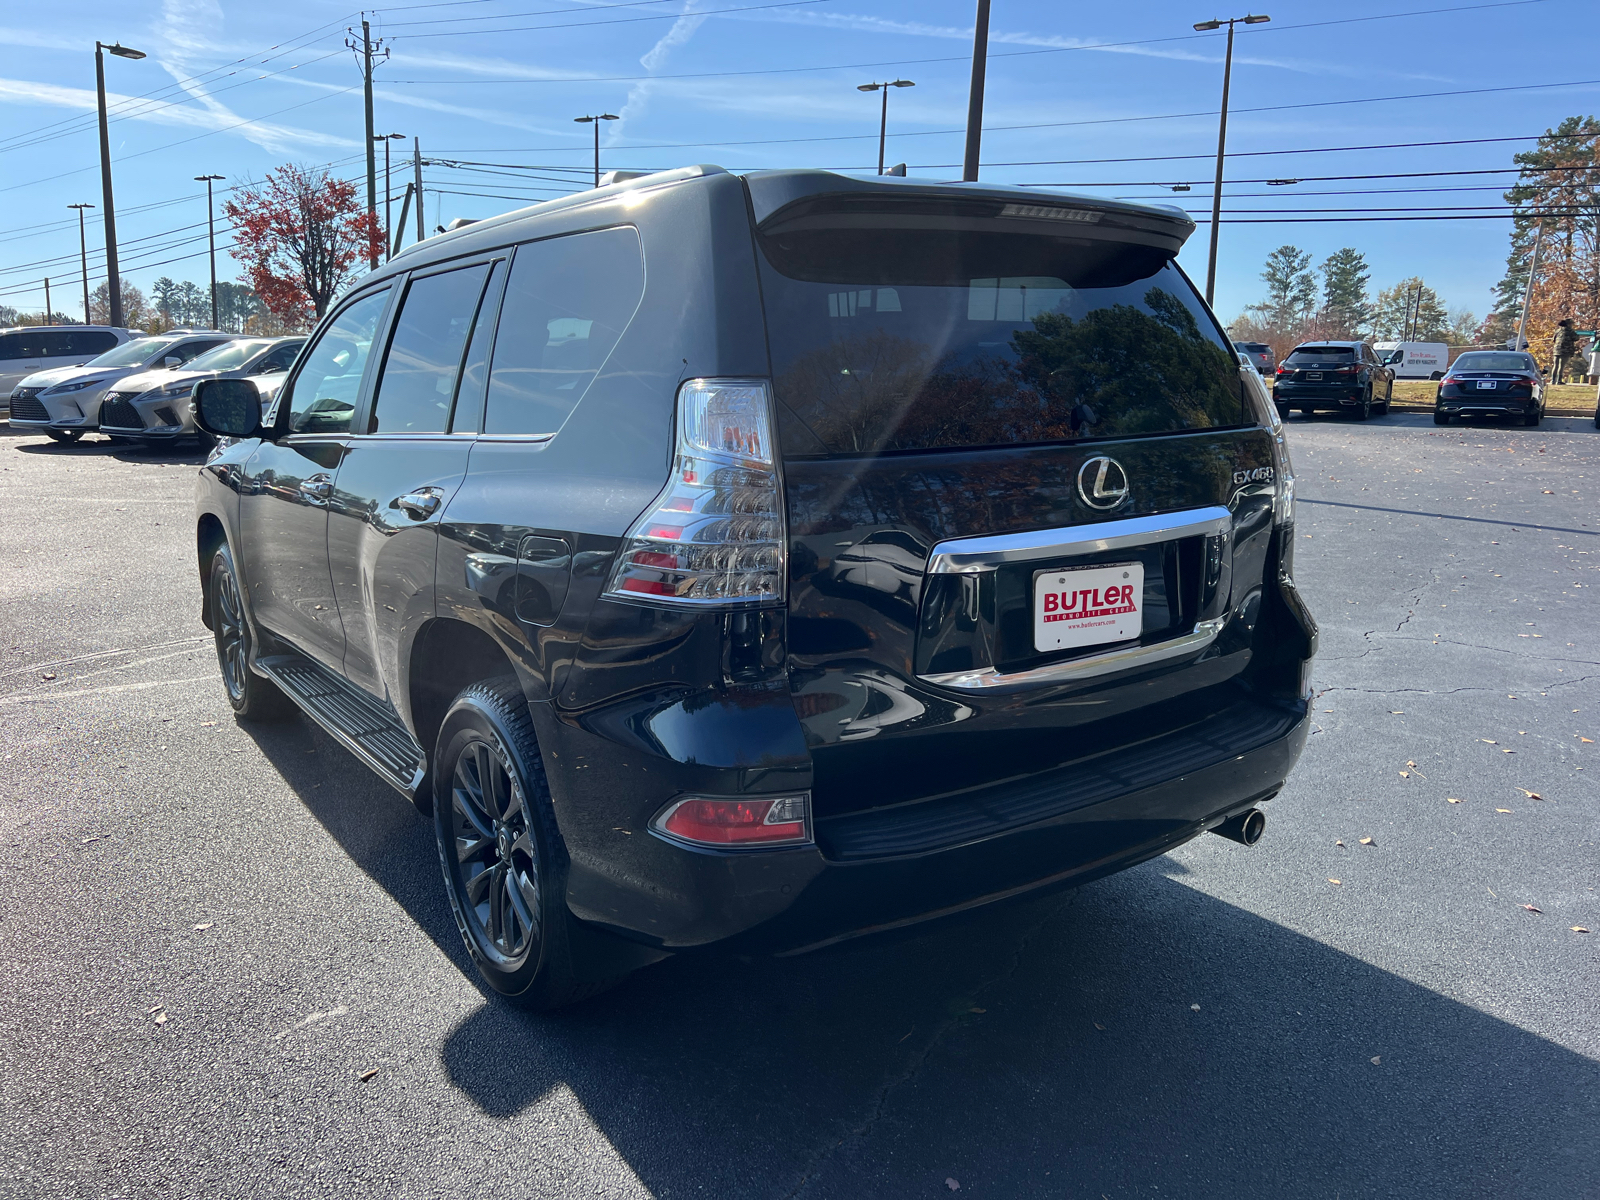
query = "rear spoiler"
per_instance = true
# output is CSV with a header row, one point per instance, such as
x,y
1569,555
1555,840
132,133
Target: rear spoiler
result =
x,y
784,201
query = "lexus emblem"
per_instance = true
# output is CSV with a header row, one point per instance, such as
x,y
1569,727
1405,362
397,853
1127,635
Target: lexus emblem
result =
x,y
1102,483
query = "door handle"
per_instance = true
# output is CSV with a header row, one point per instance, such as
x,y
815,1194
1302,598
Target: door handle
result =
x,y
317,488
418,505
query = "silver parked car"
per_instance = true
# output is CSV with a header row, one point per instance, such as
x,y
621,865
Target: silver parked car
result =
x,y
153,406
33,348
65,403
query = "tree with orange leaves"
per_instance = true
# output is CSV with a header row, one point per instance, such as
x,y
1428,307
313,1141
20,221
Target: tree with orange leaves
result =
x,y
301,235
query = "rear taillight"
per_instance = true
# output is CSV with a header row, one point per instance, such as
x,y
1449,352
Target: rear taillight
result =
x,y
741,821
1285,371
1452,380
713,538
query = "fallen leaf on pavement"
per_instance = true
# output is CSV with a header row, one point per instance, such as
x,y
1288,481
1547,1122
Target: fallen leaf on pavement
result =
x,y
1503,750
1377,1060
1579,929
366,1075
1368,842
952,1185
1491,741
1333,881
1338,843
204,925
1504,810
1530,795
1405,774
1394,712
161,1018
1194,1008
96,838
1584,739
1533,908
206,724
152,1012
1099,1026
1451,800
47,675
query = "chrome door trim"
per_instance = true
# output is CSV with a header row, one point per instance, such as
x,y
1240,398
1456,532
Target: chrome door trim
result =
x,y
987,679
968,556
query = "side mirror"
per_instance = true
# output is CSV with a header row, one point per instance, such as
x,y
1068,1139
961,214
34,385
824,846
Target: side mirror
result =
x,y
228,408
172,360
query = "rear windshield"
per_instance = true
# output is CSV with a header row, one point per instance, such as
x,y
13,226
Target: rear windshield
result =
x,y
1253,347
1493,362
1321,353
922,339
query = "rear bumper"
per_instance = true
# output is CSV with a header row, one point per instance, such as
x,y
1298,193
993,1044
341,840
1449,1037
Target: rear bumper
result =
x,y
1309,396
882,869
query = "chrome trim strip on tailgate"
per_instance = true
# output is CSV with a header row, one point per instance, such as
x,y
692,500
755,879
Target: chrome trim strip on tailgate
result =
x,y
967,556
988,678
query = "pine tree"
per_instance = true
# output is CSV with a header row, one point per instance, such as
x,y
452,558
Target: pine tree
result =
x,y
1291,287
1430,322
1344,292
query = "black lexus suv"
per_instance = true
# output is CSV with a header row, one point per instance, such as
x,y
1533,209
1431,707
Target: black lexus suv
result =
x,y
1346,376
768,560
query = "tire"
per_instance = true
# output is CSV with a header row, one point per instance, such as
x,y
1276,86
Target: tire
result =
x,y
501,853
253,697
64,437
1532,419
1364,410
1388,397
1440,418
1437,375
1283,411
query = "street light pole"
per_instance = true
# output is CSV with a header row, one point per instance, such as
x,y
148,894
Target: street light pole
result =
x,y
1222,142
113,277
883,119
595,121
1527,292
83,251
388,193
211,237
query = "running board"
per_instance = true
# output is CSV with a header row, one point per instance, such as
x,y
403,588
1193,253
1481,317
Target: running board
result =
x,y
366,727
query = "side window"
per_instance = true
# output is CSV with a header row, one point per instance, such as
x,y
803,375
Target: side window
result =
x,y
279,359
418,385
468,417
89,342
19,345
328,385
567,302
188,350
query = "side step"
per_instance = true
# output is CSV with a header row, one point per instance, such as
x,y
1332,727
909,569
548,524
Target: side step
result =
x,y
366,727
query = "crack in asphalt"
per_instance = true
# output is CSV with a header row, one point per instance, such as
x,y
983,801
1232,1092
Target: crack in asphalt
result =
x,y
864,1129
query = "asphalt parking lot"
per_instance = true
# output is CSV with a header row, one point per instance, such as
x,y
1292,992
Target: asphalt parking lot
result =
x,y
212,933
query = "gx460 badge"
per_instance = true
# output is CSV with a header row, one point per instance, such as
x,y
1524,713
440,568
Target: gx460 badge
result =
x,y
1258,475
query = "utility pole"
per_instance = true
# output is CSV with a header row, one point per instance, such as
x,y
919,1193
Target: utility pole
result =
x,y
1527,292
113,275
980,63
83,250
1222,143
416,163
211,235
368,51
388,192
47,319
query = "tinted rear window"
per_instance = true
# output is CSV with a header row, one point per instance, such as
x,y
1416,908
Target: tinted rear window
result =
x,y
1321,353
1494,362
924,338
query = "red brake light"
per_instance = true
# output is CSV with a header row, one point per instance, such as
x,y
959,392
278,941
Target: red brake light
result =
x,y
748,821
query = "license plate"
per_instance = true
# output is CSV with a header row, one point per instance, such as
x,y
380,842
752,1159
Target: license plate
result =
x,y
1487,385
1313,375
1087,606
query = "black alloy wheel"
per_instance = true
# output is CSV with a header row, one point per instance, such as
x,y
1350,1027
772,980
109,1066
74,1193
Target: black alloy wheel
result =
x,y
64,437
502,855
253,697
1364,409
1441,418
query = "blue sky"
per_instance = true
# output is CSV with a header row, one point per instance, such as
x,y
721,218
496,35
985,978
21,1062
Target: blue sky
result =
x,y
237,88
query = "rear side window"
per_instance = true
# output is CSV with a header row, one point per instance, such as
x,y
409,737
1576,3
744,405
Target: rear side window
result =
x,y
18,345
567,302
89,341
418,384
908,338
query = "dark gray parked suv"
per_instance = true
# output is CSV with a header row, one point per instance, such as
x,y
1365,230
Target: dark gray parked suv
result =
x,y
770,560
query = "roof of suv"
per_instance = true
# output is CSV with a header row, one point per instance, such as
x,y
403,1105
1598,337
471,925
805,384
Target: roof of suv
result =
x,y
773,191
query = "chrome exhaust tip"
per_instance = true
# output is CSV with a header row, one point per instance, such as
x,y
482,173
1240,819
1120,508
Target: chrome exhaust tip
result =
x,y
1246,828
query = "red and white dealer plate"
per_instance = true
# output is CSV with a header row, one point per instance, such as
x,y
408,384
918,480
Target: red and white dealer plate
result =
x,y
1087,606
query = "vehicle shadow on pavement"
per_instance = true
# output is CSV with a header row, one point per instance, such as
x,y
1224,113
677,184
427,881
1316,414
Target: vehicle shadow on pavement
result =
x,y
1042,1046
100,447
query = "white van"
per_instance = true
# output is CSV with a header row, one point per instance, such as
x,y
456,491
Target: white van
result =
x,y
41,347
1415,360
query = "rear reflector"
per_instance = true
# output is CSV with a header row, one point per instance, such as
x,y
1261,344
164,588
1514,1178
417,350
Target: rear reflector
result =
x,y
744,821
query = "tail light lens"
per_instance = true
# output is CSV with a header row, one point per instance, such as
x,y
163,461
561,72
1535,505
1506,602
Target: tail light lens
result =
x,y
742,821
714,537
1351,370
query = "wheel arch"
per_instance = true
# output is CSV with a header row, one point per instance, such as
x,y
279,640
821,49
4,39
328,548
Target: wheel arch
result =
x,y
448,656
209,538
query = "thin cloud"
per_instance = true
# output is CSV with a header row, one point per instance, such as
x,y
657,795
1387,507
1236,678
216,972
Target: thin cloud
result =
x,y
654,60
